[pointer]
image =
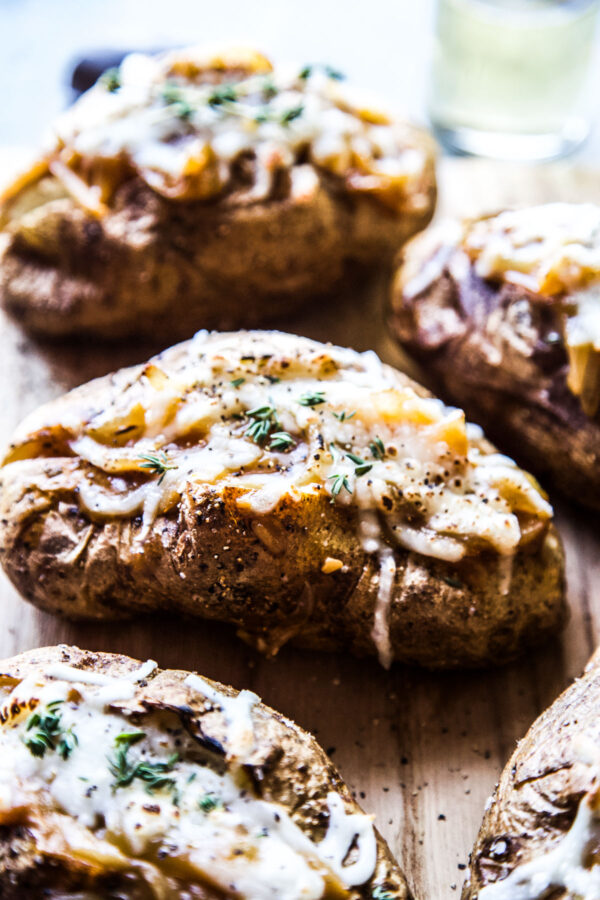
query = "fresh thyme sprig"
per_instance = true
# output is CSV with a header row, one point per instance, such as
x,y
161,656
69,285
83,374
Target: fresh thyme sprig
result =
x,y
344,416
264,421
158,463
361,465
281,440
266,426
339,481
155,775
49,734
312,398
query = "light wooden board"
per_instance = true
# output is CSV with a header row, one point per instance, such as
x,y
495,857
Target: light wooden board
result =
x,y
423,751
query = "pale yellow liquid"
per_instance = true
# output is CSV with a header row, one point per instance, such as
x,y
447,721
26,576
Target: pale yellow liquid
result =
x,y
510,67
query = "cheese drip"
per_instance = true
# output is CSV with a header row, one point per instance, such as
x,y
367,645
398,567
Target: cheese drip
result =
x,y
184,134
202,817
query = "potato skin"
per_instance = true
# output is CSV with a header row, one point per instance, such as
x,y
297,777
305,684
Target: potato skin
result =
x,y
287,766
212,558
152,265
494,349
540,788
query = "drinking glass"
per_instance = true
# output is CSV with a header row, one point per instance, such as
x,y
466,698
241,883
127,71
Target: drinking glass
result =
x,y
508,77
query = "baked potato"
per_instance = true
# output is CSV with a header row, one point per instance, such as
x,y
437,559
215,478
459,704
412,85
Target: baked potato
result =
x,y
295,489
197,190
504,314
120,780
539,837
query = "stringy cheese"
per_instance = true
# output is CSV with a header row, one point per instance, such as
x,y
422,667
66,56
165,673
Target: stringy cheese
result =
x,y
205,816
184,133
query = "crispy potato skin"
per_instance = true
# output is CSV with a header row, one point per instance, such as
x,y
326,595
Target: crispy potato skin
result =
x,y
287,766
539,791
151,265
211,558
493,350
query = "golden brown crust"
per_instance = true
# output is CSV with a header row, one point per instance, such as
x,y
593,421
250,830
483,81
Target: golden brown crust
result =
x,y
541,786
287,766
495,349
151,265
263,573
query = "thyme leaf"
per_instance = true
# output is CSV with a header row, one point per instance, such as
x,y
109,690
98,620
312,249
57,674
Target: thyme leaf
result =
x,y
290,114
157,463
312,398
124,771
265,420
344,416
361,465
339,481
209,802
49,733
281,440
377,448
223,93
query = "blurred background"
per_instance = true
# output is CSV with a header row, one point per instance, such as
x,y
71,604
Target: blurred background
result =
x,y
389,46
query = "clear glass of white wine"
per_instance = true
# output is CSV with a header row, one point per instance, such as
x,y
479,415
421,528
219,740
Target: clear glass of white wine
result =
x,y
510,78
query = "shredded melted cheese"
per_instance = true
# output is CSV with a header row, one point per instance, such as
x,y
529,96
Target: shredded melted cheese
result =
x,y
142,797
351,431
571,864
186,122
552,250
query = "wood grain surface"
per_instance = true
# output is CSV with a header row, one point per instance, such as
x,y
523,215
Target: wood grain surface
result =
x,y
422,751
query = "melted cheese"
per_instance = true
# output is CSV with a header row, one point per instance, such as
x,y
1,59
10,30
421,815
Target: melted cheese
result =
x,y
414,471
552,250
566,866
184,134
381,621
204,819
238,715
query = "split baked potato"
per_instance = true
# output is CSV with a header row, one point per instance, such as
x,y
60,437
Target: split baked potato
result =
x,y
541,832
122,781
295,489
504,314
197,190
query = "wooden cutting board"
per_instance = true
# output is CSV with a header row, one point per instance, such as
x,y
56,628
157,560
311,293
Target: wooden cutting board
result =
x,y
422,751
